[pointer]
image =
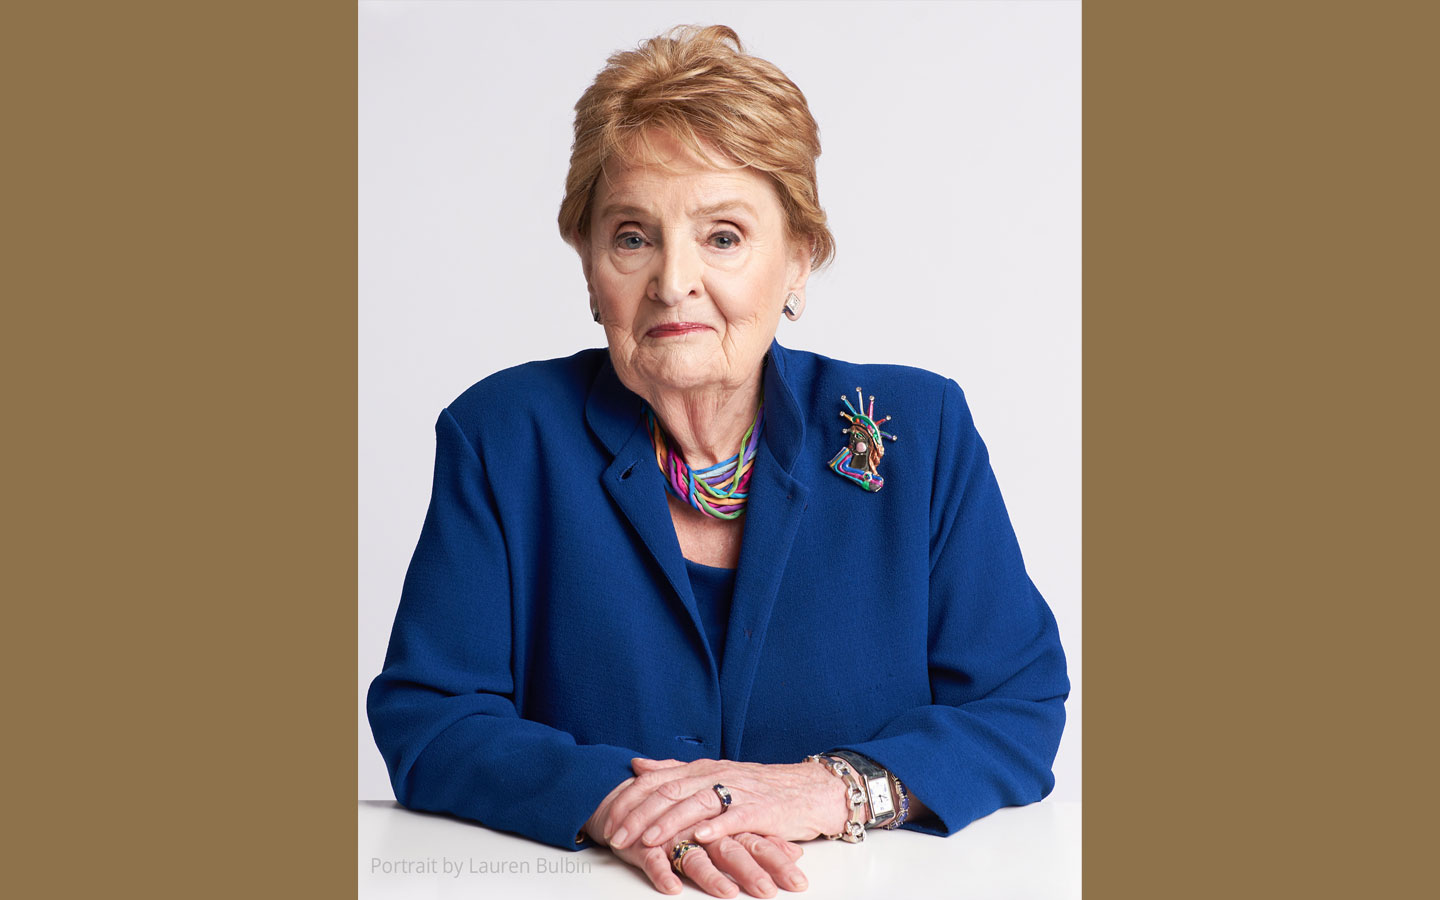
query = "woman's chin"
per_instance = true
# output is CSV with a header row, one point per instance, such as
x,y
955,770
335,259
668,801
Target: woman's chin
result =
x,y
677,367
684,381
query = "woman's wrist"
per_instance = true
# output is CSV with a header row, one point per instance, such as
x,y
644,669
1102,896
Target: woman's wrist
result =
x,y
594,827
832,798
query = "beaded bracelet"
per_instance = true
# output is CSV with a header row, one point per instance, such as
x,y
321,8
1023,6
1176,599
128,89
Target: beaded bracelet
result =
x,y
903,796
854,831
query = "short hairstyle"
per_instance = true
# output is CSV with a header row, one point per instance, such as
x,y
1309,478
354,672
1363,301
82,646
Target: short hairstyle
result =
x,y
699,86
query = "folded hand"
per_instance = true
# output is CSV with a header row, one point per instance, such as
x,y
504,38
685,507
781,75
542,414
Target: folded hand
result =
x,y
756,863
668,798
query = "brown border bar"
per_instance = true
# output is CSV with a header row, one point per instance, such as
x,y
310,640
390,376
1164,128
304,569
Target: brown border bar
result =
x,y
180,335
1259,295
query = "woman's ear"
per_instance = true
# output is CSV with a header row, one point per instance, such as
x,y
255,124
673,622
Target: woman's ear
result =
x,y
798,274
578,243
799,268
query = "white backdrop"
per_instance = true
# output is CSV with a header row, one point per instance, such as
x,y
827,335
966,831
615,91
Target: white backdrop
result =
x,y
950,173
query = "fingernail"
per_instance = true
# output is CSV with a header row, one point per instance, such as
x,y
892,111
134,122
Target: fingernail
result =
x,y
618,839
650,836
765,885
703,833
799,883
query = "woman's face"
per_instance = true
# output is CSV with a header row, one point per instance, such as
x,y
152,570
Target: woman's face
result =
x,y
689,267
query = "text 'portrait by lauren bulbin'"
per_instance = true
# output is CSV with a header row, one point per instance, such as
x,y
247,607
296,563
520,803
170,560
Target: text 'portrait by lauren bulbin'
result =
x,y
456,867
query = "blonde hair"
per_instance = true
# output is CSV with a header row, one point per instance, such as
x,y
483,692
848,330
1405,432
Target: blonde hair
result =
x,y
699,86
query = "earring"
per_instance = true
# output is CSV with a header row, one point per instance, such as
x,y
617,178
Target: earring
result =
x,y
792,306
595,314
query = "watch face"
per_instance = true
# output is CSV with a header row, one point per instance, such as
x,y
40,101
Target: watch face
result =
x,y
880,801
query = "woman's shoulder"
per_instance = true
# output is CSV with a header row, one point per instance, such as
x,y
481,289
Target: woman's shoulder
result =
x,y
808,367
919,401
813,376
541,390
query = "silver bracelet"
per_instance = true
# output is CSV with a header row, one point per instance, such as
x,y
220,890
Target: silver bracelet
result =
x,y
877,781
854,831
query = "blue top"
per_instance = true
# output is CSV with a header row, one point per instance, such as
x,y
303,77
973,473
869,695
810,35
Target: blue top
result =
x,y
714,589
548,631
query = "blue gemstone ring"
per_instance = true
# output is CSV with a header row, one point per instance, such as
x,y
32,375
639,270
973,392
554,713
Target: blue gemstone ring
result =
x,y
723,794
677,855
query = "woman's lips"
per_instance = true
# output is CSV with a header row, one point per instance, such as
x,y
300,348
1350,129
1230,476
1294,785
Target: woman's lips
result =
x,y
674,329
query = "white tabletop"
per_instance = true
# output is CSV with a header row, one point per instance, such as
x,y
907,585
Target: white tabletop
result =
x,y
1021,852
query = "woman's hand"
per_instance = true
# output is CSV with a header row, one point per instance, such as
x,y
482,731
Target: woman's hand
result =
x,y
754,862
668,798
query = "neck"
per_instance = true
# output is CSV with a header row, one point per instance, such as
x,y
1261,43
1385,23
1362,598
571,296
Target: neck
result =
x,y
708,425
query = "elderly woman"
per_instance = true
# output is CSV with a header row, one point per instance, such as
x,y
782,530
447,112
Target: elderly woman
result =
x,y
698,597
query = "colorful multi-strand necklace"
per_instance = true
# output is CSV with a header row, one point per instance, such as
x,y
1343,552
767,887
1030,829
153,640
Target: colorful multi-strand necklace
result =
x,y
720,490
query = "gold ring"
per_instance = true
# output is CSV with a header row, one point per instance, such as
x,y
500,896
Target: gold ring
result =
x,y
677,855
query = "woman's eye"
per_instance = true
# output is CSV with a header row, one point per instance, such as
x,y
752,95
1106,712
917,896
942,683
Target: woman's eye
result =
x,y
724,240
630,240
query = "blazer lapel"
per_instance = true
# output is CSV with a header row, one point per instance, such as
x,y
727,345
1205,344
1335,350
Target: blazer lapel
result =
x,y
772,518
635,483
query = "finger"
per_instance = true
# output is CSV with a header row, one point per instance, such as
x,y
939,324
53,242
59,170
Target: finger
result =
x,y
775,860
735,820
640,790
657,866
734,858
699,806
699,869
639,819
791,848
642,764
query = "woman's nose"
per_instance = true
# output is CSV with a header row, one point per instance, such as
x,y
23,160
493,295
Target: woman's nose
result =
x,y
679,275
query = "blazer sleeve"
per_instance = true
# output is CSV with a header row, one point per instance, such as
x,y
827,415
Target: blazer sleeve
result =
x,y
997,671
442,710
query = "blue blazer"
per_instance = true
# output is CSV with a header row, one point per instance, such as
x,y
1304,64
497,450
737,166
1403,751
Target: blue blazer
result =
x,y
547,632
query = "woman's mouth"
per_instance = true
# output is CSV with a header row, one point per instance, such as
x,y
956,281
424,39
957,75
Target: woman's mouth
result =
x,y
675,329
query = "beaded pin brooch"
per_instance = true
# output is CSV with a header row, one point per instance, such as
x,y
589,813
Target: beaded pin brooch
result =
x,y
860,458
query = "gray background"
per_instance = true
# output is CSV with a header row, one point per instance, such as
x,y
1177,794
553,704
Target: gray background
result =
x,y
951,175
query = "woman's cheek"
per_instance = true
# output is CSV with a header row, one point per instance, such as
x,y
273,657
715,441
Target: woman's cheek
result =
x,y
623,264
733,261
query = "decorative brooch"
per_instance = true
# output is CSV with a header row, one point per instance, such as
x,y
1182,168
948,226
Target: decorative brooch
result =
x,y
860,458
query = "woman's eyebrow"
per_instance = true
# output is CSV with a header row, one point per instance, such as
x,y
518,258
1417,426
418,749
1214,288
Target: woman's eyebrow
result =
x,y
711,210
714,209
625,210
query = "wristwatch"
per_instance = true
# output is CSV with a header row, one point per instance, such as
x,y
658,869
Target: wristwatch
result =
x,y
877,786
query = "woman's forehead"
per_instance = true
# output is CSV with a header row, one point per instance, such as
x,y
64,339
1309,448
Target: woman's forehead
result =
x,y
699,191
641,185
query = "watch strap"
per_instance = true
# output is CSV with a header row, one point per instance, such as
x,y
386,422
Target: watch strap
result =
x,y
881,815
